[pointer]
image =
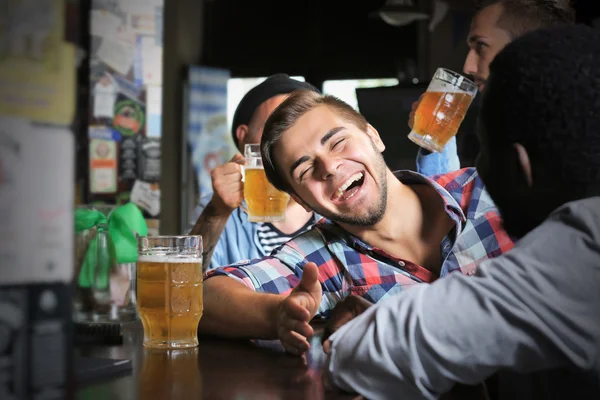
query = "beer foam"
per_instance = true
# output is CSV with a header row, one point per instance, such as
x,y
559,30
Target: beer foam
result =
x,y
440,86
156,258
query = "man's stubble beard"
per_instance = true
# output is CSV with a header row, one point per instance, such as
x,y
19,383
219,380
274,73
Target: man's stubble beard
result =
x,y
376,212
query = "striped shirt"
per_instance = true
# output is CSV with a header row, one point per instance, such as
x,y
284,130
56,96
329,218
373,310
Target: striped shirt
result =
x,y
271,238
348,265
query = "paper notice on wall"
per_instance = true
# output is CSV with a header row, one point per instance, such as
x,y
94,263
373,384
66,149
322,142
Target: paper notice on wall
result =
x,y
104,23
153,110
152,60
43,91
36,202
126,35
103,166
139,6
117,55
146,196
143,23
105,96
104,105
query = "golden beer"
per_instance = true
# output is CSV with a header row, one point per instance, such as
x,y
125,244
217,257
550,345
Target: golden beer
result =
x,y
169,300
265,203
441,110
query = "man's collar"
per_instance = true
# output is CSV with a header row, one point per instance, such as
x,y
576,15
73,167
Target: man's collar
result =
x,y
406,177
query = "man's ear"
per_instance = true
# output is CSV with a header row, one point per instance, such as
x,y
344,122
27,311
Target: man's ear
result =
x,y
524,163
374,135
240,133
301,202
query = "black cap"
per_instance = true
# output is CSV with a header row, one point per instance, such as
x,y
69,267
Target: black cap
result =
x,y
270,87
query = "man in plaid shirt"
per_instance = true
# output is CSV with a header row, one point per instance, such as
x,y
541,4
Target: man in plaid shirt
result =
x,y
382,232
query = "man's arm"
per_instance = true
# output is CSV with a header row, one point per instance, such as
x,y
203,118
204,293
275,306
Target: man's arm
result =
x,y
434,163
527,310
231,309
209,225
227,196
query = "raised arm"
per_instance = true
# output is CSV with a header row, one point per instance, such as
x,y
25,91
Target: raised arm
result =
x,y
227,196
433,163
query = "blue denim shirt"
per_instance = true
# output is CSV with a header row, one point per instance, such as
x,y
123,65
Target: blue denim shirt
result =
x,y
239,240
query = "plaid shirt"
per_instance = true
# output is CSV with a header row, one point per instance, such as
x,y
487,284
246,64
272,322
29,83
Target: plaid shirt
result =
x,y
347,265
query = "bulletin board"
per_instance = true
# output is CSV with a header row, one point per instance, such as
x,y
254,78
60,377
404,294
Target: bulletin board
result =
x,y
125,64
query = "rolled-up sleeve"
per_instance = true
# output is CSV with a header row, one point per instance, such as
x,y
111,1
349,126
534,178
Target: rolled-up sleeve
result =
x,y
434,163
267,275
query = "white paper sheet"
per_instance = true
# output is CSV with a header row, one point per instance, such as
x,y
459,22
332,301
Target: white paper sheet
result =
x,y
116,55
153,110
36,202
146,196
104,24
152,61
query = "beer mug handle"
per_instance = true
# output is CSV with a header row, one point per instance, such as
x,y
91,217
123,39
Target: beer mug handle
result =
x,y
243,169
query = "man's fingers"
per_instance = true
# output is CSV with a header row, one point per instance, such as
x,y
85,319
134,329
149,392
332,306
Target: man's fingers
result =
x,y
237,158
293,342
310,275
327,346
301,327
295,308
228,169
333,325
229,187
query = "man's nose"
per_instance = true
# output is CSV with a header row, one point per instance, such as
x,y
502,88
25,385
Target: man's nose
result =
x,y
470,67
328,167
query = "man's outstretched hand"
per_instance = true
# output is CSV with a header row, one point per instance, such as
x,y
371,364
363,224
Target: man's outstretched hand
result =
x,y
346,310
297,310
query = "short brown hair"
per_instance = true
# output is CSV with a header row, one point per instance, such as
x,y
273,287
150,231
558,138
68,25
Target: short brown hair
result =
x,y
286,115
522,16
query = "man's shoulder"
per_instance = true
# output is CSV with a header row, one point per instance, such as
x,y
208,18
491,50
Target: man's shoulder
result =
x,y
458,179
309,241
582,215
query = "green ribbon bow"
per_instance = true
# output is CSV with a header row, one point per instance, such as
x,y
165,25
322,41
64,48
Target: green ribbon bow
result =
x,y
122,226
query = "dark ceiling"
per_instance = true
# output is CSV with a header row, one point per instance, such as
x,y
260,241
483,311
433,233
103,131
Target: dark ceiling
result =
x,y
318,39
314,38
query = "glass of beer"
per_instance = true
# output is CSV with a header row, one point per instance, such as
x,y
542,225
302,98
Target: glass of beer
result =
x,y
169,290
442,109
264,202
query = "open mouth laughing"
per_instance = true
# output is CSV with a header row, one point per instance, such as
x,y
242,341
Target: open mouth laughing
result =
x,y
349,188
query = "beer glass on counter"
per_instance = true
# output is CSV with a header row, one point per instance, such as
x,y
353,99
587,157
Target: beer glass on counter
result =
x,y
442,109
169,290
264,202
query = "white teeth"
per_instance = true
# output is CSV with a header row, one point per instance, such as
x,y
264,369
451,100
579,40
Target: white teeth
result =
x,y
349,182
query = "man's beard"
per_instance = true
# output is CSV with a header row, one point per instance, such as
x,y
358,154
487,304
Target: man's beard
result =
x,y
375,212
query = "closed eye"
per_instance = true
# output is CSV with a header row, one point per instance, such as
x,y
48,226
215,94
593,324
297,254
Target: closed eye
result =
x,y
337,143
301,177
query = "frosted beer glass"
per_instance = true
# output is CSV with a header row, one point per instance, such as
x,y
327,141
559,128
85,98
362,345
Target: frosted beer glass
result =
x,y
264,203
169,290
442,109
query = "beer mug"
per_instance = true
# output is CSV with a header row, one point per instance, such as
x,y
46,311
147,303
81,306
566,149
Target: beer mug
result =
x,y
169,290
264,203
442,109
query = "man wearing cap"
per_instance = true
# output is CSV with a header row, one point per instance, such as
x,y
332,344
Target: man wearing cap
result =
x,y
228,235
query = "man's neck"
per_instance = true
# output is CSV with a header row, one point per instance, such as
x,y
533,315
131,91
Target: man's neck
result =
x,y
413,226
295,218
402,217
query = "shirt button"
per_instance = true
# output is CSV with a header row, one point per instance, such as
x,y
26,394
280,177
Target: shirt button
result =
x,y
401,263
